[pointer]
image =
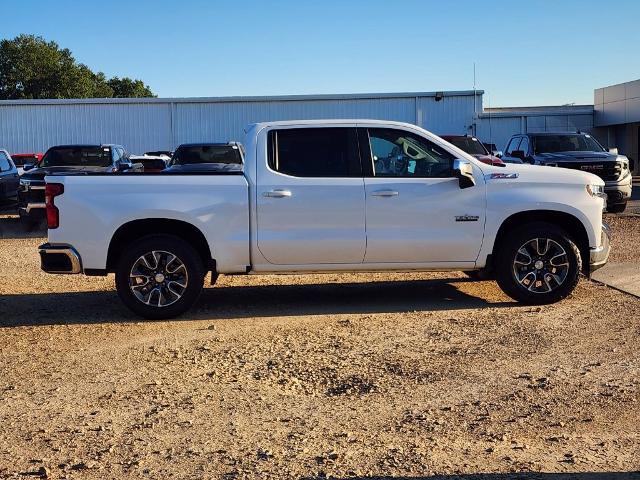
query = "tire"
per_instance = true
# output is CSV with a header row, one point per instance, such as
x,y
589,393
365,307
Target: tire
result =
x,y
541,278
479,275
617,208
167,290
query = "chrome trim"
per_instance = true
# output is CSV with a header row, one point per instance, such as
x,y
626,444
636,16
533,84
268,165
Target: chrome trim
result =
x,y
598,256
70,252
37,187
34,206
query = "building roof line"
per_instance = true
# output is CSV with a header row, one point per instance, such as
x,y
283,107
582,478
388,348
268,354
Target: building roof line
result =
x,y
237,99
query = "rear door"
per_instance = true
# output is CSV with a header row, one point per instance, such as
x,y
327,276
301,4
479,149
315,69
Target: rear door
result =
x,y
416,211
310,197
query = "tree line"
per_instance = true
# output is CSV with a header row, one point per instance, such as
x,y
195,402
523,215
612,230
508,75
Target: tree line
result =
x,y
32,68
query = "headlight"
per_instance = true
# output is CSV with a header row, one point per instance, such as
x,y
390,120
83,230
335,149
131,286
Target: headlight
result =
x,y
596,190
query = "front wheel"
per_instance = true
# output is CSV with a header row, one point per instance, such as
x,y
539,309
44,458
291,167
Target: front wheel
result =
x,y
538,264
159,276
617,208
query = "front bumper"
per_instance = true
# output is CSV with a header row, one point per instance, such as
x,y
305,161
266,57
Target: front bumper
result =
x,y
59,259
619,191
598,256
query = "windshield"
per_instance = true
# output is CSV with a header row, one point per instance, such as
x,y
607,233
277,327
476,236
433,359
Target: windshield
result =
x,y
193,154
77,157
566,143
470,145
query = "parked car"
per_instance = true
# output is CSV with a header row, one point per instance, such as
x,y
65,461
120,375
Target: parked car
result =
x,y
65,159
150,163
19,159
328,195
160,153
473,146
220,157
9,180
578,151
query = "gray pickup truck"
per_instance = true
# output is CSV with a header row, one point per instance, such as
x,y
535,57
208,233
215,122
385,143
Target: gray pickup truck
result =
x,y
578,151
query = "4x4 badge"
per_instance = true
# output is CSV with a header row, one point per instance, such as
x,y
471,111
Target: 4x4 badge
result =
x,y
467,218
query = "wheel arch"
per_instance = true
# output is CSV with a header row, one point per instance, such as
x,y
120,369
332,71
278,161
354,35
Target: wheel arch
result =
x,y
566,221
135,229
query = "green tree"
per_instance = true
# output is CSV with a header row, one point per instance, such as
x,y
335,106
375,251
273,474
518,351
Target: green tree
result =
x,y
128,88
31,67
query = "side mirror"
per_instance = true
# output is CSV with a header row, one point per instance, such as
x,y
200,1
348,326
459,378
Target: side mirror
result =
x,y
613,151
518,154
28,166
463,169
497,153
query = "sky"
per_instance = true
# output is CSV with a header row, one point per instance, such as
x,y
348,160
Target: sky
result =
x,y
534,52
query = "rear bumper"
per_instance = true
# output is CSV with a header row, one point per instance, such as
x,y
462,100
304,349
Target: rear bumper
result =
x,y
598,256
59,259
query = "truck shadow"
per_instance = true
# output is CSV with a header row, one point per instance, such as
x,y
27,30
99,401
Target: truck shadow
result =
x,y
511,476
12,227
237,302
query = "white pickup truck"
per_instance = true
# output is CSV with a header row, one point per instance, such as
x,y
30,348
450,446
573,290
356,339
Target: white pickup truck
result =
x,y
328,196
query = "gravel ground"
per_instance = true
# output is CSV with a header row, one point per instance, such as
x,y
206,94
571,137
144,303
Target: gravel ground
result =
x,y
386,375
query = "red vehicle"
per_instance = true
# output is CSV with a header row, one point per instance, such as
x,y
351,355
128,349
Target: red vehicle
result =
x,y
21,158
473,146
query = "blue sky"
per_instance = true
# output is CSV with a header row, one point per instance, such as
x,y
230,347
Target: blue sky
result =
x,y
526,52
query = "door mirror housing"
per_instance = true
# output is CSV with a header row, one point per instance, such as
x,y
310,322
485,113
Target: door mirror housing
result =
x,y
463,169
28,166
614,150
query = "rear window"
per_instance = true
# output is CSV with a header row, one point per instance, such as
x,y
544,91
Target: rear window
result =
x,y
77,157
195,154
21,159
315,152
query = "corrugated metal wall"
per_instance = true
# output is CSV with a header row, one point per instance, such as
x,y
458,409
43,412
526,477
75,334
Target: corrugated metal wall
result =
x,y
162,124
159,124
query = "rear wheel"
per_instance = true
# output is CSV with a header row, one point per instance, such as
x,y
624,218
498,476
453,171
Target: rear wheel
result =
x,y
159,276
538,264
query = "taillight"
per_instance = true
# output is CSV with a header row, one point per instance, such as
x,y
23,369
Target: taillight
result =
x,y
51,191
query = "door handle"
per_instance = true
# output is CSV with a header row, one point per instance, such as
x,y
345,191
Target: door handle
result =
x,y
277,193
385,193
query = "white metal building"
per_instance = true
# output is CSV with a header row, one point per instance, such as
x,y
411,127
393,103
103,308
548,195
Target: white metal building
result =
x,y
164,123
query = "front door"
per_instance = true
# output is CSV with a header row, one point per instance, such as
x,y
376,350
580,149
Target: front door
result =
x,y
416,211
310,197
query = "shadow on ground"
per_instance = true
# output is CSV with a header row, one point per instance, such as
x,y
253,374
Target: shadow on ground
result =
x,y
511,476
11,226
251,301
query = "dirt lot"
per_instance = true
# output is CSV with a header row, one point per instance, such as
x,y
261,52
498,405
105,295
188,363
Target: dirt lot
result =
x,y
398,375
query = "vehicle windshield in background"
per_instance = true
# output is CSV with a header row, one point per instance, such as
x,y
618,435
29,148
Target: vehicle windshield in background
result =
x,y
195,154
565,143
470,145
77,157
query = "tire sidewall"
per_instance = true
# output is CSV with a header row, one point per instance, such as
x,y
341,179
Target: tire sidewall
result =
x,y
174,245
507,253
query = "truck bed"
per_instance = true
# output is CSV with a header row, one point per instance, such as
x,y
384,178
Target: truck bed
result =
x,y
94,206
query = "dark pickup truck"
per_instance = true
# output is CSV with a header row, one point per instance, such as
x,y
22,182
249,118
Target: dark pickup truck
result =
x,y
578,151
65,159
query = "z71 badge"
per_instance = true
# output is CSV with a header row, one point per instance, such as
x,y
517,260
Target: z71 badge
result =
x,y
467,218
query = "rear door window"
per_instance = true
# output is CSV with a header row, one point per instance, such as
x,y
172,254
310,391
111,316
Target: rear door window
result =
x,y
315,152
5,166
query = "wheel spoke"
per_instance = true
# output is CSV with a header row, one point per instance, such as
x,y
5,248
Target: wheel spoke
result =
x,y
541,265
158,278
